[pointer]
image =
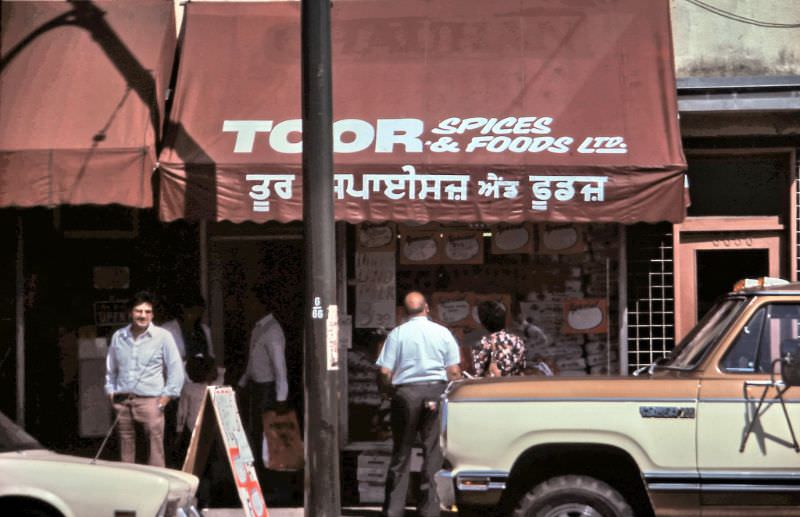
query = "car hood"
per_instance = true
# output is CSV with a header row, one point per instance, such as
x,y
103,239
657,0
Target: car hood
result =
x,y
182,486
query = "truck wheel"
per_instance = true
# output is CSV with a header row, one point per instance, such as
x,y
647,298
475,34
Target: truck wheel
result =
x,y
573,496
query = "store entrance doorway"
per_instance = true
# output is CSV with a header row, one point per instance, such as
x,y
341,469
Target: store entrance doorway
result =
x,y
741,223
708,264
240,267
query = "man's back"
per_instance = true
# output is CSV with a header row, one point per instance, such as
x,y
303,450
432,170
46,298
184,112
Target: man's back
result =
x,y
419,351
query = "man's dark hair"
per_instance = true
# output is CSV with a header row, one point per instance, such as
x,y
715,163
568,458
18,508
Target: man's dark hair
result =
x,y
140,298
492,315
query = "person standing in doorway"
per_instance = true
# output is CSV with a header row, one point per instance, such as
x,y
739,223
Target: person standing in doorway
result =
x,y
144,372
192,336
265,378
417,360
193,339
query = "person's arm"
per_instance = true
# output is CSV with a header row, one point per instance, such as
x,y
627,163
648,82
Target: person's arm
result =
x,y
174,328
453,372
452,358
481,357
251,343
520,358
385,381
276,348
386,361
111,370
174,366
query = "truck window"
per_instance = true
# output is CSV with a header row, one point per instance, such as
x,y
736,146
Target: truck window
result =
x,y
758,343
704,336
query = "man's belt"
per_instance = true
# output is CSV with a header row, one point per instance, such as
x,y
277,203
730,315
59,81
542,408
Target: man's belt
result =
x,y
122,397
423,383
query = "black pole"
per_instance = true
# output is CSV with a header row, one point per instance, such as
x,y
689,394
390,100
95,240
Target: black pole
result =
x,y
321,314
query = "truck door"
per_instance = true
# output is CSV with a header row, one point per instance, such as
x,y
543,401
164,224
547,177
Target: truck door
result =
x,y
755,473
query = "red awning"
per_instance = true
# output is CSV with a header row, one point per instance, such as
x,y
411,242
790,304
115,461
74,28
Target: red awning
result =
x,y
81,100
447,110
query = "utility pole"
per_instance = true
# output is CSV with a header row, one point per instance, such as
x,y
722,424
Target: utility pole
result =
x,y
321,313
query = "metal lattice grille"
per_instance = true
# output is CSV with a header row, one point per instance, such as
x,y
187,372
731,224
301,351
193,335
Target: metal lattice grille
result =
x,y
651,307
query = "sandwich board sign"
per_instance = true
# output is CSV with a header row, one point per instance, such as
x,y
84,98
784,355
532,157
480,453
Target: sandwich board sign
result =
x,y
218,413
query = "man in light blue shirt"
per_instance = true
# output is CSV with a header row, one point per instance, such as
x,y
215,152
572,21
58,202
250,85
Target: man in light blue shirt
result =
x,y
417,360
144,372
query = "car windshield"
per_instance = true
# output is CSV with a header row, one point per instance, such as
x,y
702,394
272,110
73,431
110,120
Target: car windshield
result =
x,y
14,438
705,334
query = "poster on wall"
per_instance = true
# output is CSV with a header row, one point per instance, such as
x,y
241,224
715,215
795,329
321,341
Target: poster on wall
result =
x,y
462,248
561,239
585,316
375,289
376,237
111,313
420,247
512,238
452,309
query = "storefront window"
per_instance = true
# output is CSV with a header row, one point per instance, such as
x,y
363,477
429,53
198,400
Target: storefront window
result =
x,y
557,281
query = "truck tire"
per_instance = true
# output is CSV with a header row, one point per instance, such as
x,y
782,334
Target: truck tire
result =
x,y
570,496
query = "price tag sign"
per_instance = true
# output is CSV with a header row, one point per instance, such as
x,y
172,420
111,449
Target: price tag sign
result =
x,y
375,289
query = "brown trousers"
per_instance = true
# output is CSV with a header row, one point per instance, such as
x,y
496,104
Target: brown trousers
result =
x,y
145,411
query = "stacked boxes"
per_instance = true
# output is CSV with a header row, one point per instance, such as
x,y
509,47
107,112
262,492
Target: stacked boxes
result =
x,y
371,471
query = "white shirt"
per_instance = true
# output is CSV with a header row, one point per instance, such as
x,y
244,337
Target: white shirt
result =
x,y
267,360
174,327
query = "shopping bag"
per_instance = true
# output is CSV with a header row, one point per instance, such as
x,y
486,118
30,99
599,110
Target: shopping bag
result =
x,y
284,442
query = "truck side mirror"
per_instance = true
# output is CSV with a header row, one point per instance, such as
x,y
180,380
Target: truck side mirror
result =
x,y
790,362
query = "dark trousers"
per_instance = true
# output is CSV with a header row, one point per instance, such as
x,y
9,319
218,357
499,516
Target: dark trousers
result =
x,y
409,417
261,399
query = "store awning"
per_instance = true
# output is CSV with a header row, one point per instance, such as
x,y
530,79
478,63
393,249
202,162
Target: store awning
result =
x,y
82,89
453,110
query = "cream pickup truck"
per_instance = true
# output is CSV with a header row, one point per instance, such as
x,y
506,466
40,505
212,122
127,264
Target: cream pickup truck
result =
x,y
708,431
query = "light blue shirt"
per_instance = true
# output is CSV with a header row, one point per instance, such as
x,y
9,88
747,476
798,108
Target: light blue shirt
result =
x,y
149,365
419,351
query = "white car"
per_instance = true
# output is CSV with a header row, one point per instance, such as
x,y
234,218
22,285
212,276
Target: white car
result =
x,y
35,482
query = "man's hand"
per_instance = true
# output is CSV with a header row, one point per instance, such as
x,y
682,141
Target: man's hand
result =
x,y
163,400
454,372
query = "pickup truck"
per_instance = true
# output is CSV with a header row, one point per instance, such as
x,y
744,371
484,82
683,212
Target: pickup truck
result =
x,y
707,431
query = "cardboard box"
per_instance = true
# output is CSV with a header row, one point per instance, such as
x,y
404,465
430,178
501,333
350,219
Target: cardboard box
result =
x,y
370,492
372,474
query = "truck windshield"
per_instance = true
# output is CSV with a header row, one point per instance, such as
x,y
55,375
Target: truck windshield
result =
x,y
705,334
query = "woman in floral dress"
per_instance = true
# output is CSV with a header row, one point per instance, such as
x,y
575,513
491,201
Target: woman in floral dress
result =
x,y
500,353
